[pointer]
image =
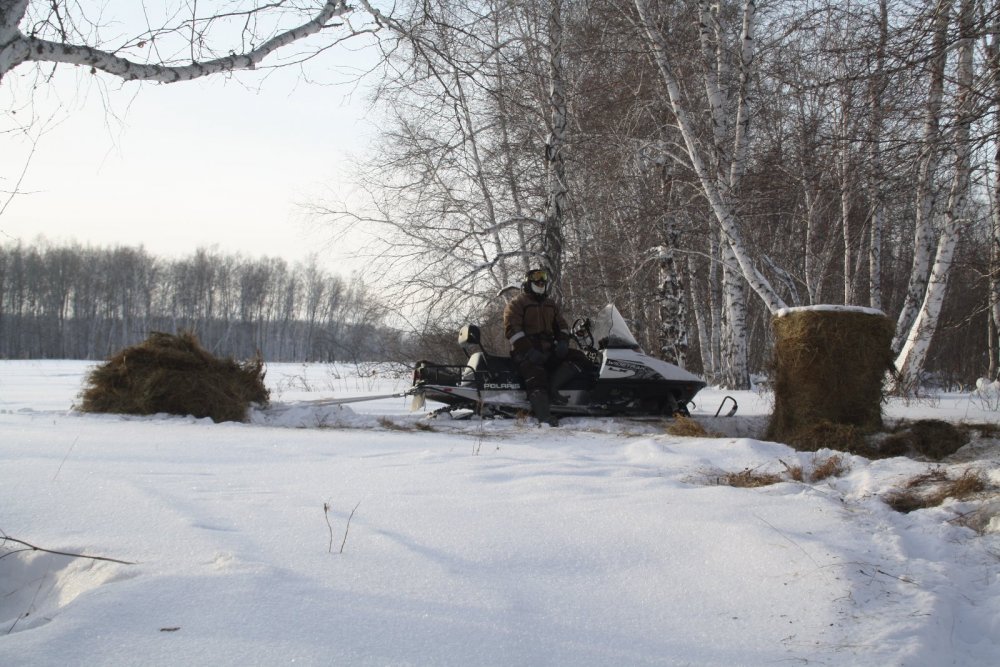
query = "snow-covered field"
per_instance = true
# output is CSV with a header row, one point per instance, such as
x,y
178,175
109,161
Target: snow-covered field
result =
x,y
353,536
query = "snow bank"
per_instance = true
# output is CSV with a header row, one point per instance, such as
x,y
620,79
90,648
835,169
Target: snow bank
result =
x,y
466,543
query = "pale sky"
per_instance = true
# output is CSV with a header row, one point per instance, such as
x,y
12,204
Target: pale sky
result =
x,y
188,165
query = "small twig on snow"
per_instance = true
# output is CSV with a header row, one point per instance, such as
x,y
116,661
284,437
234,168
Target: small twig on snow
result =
x,y
32,547
31,606
348,528
326,515
68,452
790,540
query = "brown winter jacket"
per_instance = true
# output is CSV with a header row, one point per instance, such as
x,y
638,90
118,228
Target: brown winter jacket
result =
x,y
530,322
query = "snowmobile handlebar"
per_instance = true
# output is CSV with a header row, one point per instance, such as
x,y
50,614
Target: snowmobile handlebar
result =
x,y
581,333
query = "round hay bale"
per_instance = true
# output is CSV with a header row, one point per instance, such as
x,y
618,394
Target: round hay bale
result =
x,y
825,434
176,375
829,366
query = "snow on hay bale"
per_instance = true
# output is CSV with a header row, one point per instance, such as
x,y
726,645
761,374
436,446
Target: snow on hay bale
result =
x,y
829,367
176,375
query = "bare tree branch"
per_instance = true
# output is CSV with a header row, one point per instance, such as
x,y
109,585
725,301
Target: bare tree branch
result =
x,y
17,48
31,547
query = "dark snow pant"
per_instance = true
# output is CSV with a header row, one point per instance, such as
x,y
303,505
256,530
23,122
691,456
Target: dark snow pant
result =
x,y
539,377
536,376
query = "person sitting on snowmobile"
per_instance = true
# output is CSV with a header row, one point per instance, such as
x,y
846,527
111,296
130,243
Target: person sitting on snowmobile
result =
x,y
539,339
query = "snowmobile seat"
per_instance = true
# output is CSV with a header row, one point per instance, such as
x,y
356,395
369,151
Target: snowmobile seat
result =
x,y
468,337
480,360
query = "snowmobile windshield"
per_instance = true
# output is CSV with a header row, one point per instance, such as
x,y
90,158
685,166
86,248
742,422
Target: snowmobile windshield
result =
x,y
610,330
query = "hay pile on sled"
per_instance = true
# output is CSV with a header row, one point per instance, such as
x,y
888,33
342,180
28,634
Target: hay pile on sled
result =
x,y
829,367
174,374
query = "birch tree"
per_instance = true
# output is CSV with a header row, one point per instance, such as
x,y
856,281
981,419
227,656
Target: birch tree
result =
x,y
469,187
729,141
673,335
993,278
923,239
441,215
555,146
911,358
993,325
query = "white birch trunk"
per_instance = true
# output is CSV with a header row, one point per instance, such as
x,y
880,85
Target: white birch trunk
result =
x,y
706,329
718,303
673,307
910,361
13,43
846,199
741,142
711,53
993,328
555,162
875,257
672,294
738,364
993,325
508,159
913,355
813,281
737,374
923,238
499,269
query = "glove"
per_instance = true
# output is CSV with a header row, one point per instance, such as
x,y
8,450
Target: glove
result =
x,y
536,357
562,348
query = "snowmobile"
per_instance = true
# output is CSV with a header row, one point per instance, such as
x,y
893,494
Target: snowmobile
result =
x,y
620,379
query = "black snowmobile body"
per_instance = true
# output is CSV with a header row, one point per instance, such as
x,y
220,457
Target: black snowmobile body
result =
x,y
619,380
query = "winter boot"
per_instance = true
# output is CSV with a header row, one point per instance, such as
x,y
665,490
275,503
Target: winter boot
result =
x,y
540,406
558,379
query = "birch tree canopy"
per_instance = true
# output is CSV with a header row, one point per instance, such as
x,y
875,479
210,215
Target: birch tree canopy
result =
x,y
180,41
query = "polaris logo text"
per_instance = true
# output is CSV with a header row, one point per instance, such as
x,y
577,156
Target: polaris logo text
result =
x,y
495,385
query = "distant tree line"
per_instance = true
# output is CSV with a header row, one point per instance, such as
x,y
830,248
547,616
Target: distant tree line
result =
x,y
79,302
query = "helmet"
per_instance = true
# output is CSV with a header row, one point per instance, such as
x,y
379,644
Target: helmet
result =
x,y
538,281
